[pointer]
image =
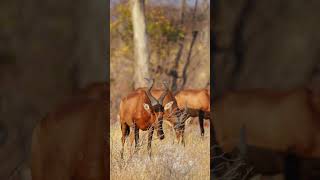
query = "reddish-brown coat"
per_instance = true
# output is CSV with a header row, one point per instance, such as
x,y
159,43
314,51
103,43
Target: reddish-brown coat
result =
x,y
168,98
132,110
169,114
198,99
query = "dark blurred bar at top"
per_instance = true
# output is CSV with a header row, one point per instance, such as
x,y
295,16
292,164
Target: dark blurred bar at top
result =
x,y
270,45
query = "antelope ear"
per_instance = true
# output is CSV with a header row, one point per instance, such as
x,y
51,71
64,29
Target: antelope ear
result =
x,y
168,105
146,107
188,121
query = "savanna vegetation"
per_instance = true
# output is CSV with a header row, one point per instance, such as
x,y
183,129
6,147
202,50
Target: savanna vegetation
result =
x,y
170,33
178,52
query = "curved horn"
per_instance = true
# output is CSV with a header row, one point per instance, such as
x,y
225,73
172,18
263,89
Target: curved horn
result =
x,y
153,100
163,95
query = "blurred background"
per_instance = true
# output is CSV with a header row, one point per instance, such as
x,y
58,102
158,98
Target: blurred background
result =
x,y
266,44
48,49
178,42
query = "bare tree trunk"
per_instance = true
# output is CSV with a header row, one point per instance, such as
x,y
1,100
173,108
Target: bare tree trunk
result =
x,y
140,43
174,70
184,72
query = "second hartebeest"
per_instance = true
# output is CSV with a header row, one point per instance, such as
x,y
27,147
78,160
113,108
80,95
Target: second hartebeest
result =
x,y
142,111
198,102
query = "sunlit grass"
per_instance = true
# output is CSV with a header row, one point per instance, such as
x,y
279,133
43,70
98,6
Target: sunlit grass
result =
x,y
169,161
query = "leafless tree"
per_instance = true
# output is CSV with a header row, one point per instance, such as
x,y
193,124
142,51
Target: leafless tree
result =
x,y
140,42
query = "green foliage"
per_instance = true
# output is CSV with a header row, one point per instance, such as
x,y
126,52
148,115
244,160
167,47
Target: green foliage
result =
x,y
160,28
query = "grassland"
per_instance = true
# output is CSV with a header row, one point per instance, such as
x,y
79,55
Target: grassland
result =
x,y
168,161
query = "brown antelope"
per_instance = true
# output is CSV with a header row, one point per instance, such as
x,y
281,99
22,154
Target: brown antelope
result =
x,y
173,116
285,122
69,143
198,101
141,110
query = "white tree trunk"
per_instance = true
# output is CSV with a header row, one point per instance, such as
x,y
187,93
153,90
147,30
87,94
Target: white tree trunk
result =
x,y
140,43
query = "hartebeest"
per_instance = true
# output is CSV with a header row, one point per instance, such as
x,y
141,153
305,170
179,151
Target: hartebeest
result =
x,y
173,116
142,111
198,101
70,143
279,121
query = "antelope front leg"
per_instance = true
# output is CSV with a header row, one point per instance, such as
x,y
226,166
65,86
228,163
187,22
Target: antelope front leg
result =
x,y
124,130
131,139
201,121
182,138
149,140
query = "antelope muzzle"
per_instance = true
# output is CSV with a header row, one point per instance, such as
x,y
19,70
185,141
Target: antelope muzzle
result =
x,y
160,128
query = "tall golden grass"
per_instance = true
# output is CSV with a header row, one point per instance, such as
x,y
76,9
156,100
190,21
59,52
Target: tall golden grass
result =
x,y
168,161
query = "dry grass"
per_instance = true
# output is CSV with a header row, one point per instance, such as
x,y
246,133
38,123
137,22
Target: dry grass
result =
x,y
169,161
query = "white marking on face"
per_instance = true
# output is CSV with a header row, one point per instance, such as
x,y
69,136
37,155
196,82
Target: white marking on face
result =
x,y
146,107
168,105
